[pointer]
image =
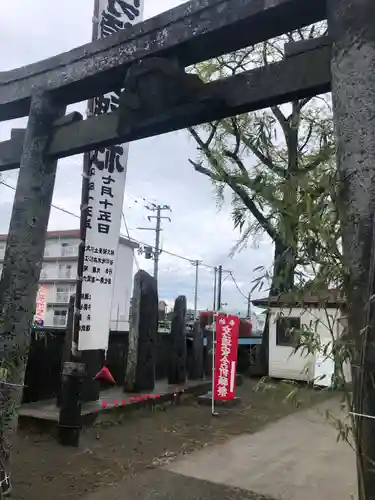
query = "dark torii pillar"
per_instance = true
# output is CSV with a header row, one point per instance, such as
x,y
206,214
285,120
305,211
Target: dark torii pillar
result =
x,y
23,261
351,25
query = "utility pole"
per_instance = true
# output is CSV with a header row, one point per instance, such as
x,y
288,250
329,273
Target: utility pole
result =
x,y
158,209
196,264
220,276
249,306
215,284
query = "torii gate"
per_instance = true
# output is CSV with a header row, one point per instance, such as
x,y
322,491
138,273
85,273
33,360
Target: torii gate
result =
x,y
154,54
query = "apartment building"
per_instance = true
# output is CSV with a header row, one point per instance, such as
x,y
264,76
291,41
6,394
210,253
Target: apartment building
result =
x,y
59,273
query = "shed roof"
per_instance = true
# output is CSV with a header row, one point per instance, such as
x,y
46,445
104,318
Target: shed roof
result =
x,y
329,298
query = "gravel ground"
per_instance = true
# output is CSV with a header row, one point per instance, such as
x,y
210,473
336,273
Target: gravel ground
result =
x,y
121,447
163,485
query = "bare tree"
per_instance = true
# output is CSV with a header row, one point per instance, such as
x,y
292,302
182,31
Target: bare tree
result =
x,y
269,159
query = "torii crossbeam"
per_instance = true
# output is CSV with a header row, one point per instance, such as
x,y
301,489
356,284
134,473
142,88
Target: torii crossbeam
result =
x,y
302,75
193,32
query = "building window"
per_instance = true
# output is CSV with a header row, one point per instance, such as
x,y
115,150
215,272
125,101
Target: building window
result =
x,y
63,294
65,271
287,331
67,250
60,317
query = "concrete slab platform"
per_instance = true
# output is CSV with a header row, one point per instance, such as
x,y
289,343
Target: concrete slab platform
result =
x,y
113,398
296,458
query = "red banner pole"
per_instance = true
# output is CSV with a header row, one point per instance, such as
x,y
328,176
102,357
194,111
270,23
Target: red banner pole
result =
x,y
213,363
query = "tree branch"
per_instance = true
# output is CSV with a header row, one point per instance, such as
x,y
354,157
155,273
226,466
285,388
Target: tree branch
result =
x,y
265,160
243,195
213,132
198,167
308,137
237,134
197,137
303,102
281,119
321,157
223,176
233,156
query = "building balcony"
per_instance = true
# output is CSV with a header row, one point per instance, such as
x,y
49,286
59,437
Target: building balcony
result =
x,y
51,280
52,258
62,258
58,303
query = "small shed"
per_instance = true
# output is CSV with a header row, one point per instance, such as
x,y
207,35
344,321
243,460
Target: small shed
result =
x,y
288,315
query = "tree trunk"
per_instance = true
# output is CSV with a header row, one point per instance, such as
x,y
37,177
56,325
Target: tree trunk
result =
x,y
352,28
284,267
282,281
286,244
23,262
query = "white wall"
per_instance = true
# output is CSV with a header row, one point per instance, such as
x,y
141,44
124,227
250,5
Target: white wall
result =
x,y
122,289
283,363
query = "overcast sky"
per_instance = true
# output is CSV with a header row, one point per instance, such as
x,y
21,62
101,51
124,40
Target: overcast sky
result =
x,y
158,168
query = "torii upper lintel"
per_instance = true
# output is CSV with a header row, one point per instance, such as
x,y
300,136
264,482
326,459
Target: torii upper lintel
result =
x,y
195,31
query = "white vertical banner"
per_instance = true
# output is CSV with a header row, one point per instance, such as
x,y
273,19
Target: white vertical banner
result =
x,y
106,193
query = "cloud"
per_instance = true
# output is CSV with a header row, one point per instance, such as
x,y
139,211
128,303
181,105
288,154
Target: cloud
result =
x,y
158,169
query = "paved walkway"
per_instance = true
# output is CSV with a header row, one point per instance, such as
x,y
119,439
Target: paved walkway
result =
x,y
160,484
296,458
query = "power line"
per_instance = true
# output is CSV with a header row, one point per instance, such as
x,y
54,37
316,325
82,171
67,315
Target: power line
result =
x,y
125,224
68,212
247,297
52,205
127,232
191,261
236,284
139,199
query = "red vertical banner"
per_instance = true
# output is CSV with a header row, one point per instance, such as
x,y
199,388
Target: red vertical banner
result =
x,y
227,328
